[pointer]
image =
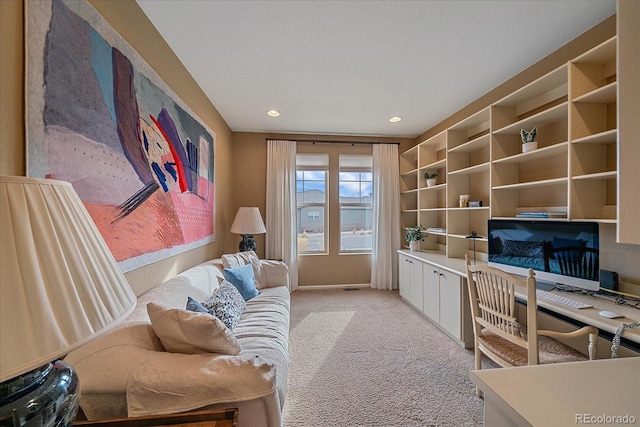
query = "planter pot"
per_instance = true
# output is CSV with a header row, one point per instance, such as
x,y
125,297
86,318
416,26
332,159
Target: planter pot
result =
x,y
431,182
414,246
529,146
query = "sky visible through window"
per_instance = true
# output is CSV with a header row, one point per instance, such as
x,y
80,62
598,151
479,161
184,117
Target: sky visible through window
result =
x,y
356,184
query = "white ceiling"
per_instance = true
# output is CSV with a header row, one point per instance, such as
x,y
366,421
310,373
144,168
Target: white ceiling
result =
x,y
346,67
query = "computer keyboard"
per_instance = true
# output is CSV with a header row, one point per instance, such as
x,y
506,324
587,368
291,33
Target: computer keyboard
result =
x,y
559,299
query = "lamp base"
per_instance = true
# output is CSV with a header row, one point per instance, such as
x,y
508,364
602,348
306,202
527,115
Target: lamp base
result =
x,y
47,396
247,243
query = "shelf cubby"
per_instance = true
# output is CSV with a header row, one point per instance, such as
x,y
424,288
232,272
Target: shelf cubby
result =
x,y
541,100
433,197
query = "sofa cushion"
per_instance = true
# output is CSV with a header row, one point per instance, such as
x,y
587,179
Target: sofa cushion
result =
x,y
183,331
244,279
243,258
227,304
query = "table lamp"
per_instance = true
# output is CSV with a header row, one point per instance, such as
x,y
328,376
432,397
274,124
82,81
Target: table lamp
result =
x,y
248,223
60,287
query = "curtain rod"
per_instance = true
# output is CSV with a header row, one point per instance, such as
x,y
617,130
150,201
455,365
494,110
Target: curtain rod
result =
x,y
327,141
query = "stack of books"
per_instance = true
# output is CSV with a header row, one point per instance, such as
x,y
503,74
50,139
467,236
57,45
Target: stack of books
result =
x,y
436,230
541,215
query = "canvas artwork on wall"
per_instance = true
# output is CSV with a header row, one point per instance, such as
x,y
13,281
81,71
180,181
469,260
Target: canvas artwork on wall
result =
x,y
99,117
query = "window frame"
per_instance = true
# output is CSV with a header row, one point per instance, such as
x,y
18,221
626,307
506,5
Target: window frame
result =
x,y
322,207
364,205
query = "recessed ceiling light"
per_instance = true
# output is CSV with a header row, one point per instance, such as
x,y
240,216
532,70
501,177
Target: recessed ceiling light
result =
x,y
395,119
273,113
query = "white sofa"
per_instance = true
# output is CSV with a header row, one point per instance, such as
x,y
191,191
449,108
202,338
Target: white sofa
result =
x,y
127,372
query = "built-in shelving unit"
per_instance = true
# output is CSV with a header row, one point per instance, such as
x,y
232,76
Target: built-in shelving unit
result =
x,y
573,172
593,134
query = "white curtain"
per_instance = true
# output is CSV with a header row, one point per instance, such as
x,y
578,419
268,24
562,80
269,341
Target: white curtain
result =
x,y
386,217
281,239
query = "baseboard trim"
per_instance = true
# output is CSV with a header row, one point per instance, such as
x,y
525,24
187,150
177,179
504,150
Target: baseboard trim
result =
x,y
319,287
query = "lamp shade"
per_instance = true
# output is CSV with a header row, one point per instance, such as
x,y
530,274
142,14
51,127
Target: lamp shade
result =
x,y
59,284
248,221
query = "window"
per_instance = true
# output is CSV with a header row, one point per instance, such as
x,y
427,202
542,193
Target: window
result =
x,y
311,195
356,203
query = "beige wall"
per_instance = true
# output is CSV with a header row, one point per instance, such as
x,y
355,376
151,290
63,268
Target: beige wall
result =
x,y
128,20
249,180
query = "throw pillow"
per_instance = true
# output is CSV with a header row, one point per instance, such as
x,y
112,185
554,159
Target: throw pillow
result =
x,y
242,258
519,248
243,279
193,305
226,304
182,331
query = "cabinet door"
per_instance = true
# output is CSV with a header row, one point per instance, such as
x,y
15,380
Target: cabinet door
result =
x,y
415,293
450,300
431,292
404,276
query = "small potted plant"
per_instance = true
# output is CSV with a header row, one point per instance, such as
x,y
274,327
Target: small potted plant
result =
x,y
529,139
414,236
430,178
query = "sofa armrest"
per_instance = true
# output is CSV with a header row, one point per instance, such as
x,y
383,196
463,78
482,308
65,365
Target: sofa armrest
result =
x,y
275,272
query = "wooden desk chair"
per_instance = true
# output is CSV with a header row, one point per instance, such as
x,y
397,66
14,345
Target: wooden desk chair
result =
x,y
578,262
497,333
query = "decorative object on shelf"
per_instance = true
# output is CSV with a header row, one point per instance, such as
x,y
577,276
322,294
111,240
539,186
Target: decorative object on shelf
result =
x,y
61,287
529,142
430,178
474,235
414,236
464,200
475,203
248,223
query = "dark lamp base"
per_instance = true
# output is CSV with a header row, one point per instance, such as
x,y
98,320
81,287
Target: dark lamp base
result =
x,y
247,243
47,396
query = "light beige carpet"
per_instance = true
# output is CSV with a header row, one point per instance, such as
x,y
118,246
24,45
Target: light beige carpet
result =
x,y
365,358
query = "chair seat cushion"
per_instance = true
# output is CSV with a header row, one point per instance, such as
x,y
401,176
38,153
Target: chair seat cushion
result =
x,y
549,349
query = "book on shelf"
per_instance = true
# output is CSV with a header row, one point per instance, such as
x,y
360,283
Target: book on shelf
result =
x,y
541,215
436,230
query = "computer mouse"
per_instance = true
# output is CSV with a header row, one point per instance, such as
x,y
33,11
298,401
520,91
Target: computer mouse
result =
x,y
610,314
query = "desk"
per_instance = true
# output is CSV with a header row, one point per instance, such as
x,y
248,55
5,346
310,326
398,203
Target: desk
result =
x,y
563,394
584,316
590,316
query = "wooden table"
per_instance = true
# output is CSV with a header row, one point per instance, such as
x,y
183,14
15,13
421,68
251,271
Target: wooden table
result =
x,y
214,418
562,394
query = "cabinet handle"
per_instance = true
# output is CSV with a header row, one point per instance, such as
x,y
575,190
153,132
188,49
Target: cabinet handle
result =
x,y
442,274
435,271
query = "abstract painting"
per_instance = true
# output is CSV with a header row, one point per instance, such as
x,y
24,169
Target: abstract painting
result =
x,y
99,117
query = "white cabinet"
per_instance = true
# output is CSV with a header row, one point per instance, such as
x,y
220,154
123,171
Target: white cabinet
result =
x,y
431,292
445,301
410,275
452,303
438,292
